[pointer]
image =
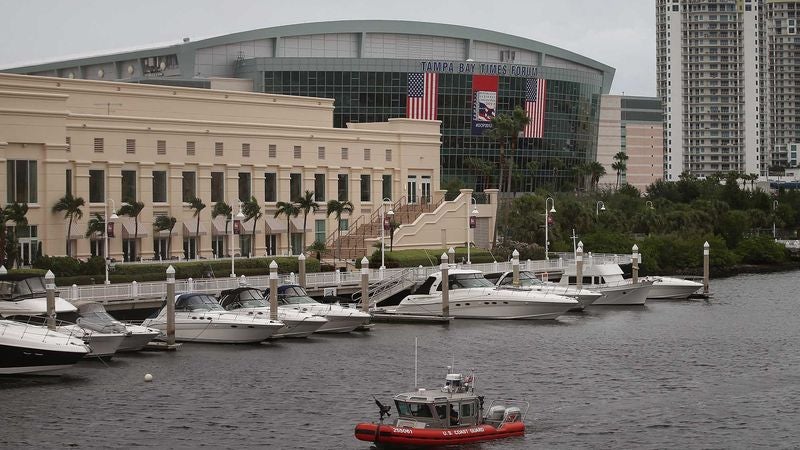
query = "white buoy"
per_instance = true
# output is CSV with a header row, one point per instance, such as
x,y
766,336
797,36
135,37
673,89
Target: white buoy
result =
x,y
148,377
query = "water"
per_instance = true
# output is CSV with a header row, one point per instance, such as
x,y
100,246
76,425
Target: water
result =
x,y
693,374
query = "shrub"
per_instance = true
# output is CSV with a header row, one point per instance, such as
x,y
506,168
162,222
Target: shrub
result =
x,y
61,266
761,250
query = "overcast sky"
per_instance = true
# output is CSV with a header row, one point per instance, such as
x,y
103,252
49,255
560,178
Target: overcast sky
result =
x,y
619,33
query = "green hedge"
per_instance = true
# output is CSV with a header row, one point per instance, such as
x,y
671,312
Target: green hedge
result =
x,y
414,258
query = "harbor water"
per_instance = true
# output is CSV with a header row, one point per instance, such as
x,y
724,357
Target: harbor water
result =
x,y
722,373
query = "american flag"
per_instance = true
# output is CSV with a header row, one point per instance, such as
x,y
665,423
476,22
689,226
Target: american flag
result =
x,y
422,92
534,107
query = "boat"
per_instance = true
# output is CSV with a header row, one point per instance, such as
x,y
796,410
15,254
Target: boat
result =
x,y
249,300
471,296
93,316
102,344
529,281
33,349
670,288
200,318
607,279
451,415
340,319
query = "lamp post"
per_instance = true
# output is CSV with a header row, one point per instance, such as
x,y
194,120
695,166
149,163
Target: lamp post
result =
x,y
239,216
774,208
649,203
547,225
389,213
470,222
600,207
108,219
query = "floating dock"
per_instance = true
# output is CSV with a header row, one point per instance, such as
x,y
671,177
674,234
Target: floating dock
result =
x,y
388,317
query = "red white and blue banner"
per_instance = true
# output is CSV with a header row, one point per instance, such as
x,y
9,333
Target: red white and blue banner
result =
x,y
484,102
423,90
535,89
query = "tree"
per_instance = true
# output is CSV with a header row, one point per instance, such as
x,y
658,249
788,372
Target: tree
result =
x,y
12,212
166,223
482,169
596,171
620,164
290,210
519,120
222,209
502,129
393,225
96,225
197,205
252,211
71,207
306,204
133,210
338,208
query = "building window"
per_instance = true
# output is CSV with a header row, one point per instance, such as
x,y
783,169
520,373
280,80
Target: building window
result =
x,y
128,186
98,145
319,231
319,187
297,152
189,148
22,181
295,186
189,186
218,246
342,187
270,187
321,153
159,186
217,187
344,224
245,150
273,151
68,180
367,154
388,154
365,188
245,186
161,147
387,186
130,146
218,149
97,186
272,244
69,144
344,153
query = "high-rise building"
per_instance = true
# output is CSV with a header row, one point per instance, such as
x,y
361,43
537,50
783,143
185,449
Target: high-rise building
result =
x,y
727,75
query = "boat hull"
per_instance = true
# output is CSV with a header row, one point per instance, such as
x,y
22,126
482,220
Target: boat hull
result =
x,y
299,328
136,341
666,288
622,295
342,324
34,349
484,308
217,332
390,435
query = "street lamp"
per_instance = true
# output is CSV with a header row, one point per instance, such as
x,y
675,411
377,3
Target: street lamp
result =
x,y
108,219
239,216
649,203
600,207
470,222
389,213
547,224
774,208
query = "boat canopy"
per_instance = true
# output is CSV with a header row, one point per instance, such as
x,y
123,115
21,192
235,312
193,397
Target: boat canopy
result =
x,y
242,298
291,294
197,302
17,287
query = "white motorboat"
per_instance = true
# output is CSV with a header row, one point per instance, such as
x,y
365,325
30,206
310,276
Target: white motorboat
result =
x,y
528,281
672,288
607,279
93,316
200,318
31,349
248,300
471,296
340,319
102,344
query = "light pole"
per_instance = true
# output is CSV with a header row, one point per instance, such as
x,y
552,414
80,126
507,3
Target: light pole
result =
x,y
649,203
600,207
774,208
108,220
470,223
389,213
547,225
239,216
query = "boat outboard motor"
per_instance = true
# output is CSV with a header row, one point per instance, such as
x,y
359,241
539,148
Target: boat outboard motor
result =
x,y
496,413
512,414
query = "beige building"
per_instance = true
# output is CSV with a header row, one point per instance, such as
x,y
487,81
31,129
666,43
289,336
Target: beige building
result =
x,y
632,125
113,142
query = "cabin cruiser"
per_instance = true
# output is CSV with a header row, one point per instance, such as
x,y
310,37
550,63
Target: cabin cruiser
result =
x,y
93,316
200,318
451,415
528,281
474,297
248,300
670,288
607,279
340,319
32,349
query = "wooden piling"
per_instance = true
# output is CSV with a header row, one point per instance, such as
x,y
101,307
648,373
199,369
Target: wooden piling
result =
x,y
365,284
445,286
170,306
273,290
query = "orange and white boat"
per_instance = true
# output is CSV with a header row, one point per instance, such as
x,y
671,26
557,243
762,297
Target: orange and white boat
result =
x,y
451,415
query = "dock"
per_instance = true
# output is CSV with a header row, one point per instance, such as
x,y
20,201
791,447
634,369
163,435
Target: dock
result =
x,y
409,318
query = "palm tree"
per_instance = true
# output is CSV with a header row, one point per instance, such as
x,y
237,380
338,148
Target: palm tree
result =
x,y
519,120
337,208
595,170
166,223
620,164
306,204
580,171
502,130
133,210
13,212
222,209
197,205
290,210
252,211
71,207
96,225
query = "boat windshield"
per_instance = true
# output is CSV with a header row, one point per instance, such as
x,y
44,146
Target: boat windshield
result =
x,y
410,409
528,279
294,295
22,288
250,298
197,302
468,280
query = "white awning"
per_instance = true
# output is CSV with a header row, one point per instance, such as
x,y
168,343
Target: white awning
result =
x,y
190,228
128,227
78,229
297,224
247,227
276,225
218,226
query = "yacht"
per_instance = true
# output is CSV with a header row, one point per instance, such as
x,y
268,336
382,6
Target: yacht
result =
x,y
528,281
607,279
474,297
102,344
93,316
200,318
32,349
248,300
340,319
670,288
